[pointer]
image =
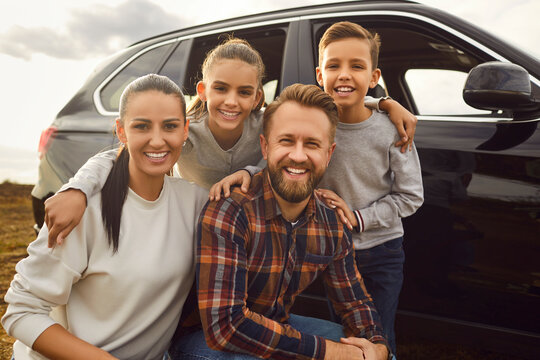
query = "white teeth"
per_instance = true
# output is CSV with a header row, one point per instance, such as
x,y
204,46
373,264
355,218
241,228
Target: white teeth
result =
x,y
344,89
296,171
156,155
227,113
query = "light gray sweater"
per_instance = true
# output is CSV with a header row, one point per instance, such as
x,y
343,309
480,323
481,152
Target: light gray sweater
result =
x,y
378,182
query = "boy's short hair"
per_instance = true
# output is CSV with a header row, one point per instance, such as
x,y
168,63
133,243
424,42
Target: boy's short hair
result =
x,y
305,95
346,29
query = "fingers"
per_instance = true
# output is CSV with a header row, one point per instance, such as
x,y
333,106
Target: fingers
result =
x,y
226,190
53,233
62,235
246,180
344,218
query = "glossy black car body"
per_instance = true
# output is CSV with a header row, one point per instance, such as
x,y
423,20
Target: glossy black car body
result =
x,y
472,273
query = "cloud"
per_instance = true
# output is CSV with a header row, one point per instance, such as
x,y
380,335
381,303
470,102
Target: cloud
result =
x,y
95,31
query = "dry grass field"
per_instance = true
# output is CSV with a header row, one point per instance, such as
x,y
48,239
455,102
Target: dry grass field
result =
x,y
16,232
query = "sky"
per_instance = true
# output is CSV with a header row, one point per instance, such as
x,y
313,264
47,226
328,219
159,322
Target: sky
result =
x,y
48,49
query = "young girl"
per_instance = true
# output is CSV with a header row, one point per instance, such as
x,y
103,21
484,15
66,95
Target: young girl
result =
x,y
225,123
119,283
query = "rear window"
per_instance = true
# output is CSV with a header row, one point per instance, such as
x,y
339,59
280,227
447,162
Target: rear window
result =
x,y
146,63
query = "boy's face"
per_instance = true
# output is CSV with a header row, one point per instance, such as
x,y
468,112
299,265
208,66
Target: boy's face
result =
x,y
346,71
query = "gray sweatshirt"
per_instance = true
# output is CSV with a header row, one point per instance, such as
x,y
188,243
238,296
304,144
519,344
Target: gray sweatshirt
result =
x,y
378,182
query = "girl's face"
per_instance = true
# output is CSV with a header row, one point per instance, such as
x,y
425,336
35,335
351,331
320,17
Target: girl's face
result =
x,y
154,130
231,92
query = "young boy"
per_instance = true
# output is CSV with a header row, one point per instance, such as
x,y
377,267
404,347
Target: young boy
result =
x,y
375,179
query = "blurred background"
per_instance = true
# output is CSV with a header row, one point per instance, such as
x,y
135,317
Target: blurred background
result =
x,y
48,48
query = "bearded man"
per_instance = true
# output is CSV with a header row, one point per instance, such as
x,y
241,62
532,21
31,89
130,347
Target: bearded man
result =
x,y
258,250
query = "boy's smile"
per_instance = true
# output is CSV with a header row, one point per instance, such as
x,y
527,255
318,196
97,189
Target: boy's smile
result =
x,y
346,73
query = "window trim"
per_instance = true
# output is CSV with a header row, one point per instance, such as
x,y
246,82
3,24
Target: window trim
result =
x,y
97,93
423,18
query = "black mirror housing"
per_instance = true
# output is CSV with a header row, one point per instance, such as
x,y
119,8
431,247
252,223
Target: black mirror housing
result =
x,y
499,86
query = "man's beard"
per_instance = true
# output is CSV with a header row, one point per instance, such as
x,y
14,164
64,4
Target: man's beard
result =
x,y
290,190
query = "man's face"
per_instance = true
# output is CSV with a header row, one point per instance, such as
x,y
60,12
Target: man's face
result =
x,y
297,150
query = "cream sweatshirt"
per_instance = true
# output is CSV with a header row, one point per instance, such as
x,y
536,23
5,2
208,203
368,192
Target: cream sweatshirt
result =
x,y
127,303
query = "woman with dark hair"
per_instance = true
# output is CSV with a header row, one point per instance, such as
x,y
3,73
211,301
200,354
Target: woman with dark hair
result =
x,y
117,287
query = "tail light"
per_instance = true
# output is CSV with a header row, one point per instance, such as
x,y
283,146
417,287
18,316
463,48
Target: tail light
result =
x,y
45,140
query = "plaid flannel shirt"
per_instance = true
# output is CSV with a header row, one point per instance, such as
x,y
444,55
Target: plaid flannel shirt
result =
x,y
251,265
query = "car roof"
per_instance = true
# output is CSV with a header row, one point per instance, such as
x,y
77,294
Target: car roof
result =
x,y
313,11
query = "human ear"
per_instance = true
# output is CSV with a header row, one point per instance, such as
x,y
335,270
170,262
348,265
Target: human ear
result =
x,y
258,98
375,76
201,90
264,146
318,73
186,129
330,152
120,131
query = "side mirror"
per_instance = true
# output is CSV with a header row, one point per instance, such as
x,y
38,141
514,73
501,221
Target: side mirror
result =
x,y
499,86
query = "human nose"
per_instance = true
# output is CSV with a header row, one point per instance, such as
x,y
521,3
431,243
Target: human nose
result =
x,y
344,73
156,138
298,153
231,99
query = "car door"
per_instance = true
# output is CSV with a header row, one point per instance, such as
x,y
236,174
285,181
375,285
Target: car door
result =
x,y
472,248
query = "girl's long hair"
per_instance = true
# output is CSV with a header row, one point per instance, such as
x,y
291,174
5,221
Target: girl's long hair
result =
x,y
232,49
114,192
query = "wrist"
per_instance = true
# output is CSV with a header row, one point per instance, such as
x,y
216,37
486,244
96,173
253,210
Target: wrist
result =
x,y
385,103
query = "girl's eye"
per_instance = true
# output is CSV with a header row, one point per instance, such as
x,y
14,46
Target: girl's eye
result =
x,y
245,93
219,88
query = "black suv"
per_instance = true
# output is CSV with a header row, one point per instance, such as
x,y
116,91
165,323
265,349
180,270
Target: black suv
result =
x,y
473,271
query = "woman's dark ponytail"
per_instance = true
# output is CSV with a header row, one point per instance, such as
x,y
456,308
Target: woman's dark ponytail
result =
x,y
114,192
113,196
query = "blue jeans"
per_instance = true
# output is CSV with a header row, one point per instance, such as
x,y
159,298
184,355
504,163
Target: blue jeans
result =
x,y
381,268
193,346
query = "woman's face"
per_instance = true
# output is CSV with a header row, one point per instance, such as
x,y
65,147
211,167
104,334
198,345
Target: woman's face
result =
x,y
154,129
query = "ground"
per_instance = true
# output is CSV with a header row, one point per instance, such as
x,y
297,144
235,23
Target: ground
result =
x,y
16,232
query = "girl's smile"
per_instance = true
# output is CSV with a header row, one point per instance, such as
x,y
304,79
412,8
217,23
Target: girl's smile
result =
x,y
231,91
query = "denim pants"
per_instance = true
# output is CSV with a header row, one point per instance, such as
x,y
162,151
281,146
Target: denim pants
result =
x,y
193,346
381,268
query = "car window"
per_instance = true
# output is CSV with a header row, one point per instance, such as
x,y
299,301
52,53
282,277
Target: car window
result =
x,y
269,42
438,92
424,67
146,63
